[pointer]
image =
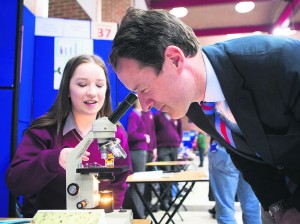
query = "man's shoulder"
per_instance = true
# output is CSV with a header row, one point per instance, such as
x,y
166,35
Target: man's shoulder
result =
x,y
254,42
251,46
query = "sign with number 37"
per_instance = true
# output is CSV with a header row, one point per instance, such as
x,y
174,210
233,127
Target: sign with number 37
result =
x,y
104,30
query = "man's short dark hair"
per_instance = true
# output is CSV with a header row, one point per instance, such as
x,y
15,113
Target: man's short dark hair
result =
x,y
144,36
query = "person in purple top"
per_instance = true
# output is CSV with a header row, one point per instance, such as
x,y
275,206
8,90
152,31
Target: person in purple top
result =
x,y
148,118
138,141
168,138
38,169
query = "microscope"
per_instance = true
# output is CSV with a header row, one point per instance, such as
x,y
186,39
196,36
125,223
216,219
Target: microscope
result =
x,y
82,182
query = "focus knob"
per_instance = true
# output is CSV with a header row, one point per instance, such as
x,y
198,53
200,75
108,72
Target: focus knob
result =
x,y
81,204
73,189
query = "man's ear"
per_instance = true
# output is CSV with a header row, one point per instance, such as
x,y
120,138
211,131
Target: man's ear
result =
x,y
176,57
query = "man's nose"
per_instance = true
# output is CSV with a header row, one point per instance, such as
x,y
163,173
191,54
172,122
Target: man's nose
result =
x,y
146,104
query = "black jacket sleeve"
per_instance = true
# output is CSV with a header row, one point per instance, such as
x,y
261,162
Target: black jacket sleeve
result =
x,y
267,183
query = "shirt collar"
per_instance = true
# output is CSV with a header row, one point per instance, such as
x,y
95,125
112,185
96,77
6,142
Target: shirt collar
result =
x,y
167,116
70,124
138,112
213,92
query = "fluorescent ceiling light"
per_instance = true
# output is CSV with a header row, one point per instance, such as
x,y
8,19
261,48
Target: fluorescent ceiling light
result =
x,y
286,23
257,33
244,7
179,12
286,31
234,36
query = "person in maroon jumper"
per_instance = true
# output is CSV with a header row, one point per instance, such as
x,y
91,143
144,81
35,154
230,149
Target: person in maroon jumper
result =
x,y
168,138
148,118
38,168
138,141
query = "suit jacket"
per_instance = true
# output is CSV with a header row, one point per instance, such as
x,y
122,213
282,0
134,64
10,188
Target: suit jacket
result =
x,y
260,79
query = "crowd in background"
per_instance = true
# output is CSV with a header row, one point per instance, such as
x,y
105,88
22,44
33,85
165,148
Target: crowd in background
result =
x,y
157,137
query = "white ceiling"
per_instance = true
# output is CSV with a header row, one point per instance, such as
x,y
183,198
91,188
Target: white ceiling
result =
x,y
212,20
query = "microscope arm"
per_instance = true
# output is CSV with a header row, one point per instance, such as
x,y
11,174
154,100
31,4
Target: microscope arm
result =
x,y
82,189
82,146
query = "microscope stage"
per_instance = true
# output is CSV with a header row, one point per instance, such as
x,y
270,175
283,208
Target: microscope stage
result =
x,y
103,169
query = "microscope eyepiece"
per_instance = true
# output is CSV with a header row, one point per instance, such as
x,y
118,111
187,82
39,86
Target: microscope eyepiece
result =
x,y
122,108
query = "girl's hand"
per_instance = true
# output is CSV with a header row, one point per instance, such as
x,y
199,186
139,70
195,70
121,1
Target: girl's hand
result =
x,y
64,154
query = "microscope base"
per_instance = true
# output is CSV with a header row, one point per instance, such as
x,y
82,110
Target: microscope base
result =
x,y
84,216
91,216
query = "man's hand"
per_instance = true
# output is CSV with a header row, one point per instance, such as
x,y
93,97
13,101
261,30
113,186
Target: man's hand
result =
x,y
287,216
154,154
147,138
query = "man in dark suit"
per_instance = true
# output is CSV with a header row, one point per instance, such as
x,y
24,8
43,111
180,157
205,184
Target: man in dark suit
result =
x,y
244,92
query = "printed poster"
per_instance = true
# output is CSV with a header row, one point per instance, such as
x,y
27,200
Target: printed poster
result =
x,y
66,48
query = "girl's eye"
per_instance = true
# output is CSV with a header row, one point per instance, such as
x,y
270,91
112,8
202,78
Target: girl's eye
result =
x,y
100,86
81,84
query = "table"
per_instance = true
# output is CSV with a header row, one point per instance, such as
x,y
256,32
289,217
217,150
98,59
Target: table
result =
x,y
141,221
182,164
179,166
134,221
189,178
170,163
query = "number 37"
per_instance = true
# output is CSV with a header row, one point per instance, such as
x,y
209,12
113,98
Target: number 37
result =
x,y
103,32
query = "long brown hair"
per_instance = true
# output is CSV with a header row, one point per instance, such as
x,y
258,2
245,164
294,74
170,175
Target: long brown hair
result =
x,y
61,107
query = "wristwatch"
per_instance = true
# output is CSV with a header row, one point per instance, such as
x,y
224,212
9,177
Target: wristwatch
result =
x,y
273,209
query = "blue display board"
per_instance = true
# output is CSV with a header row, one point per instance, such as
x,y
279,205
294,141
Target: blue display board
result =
x,y
122,93
5,141
26,82
188,138
8,23
43,92
103,48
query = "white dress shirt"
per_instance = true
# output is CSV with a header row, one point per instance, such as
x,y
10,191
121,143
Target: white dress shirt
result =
x,y
214,93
